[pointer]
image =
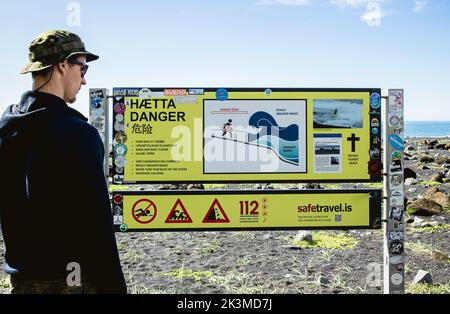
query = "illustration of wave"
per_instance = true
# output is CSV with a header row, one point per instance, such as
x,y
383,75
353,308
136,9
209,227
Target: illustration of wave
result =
x,y
283,140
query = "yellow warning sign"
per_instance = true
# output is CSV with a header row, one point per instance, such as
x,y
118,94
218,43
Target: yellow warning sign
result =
x,y
258,135
178,214
271,209
216,214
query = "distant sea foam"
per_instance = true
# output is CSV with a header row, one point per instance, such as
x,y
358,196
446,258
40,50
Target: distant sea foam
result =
x,y
427,128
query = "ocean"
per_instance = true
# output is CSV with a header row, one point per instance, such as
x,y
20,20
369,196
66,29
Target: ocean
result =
x,y
427,128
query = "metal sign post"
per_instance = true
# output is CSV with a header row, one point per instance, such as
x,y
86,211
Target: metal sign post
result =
x,y
99,117
394,230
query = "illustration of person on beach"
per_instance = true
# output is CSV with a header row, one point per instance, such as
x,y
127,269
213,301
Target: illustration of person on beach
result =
x,y
227,128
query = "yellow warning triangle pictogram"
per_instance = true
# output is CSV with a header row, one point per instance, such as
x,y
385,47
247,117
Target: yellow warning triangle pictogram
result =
x,y
216,214
178,214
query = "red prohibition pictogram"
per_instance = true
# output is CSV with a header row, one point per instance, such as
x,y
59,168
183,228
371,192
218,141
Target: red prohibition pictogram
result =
x,y
144,211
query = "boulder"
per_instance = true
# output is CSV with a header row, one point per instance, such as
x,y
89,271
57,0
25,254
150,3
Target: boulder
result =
x,y
410,181
193,186
422,167
441,160
447,146
304,236
409,173
410,148
423,276
424,207
426,158
433,143
438,196
439,146
440,256
438,177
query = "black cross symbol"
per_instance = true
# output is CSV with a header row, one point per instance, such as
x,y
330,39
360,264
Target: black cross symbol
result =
x,y
353,139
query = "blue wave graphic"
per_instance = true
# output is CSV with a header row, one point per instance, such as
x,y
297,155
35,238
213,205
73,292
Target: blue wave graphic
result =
x,y
284,140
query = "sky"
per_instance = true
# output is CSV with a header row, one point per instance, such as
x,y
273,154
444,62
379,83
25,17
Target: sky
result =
x,y
245,43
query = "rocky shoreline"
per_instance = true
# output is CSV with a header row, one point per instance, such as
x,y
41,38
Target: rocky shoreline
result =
x,y
297,261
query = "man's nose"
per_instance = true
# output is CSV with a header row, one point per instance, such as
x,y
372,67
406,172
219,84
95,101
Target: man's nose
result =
x,y
83,81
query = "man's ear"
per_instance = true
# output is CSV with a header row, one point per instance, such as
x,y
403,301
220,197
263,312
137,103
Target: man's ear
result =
x,y
62,66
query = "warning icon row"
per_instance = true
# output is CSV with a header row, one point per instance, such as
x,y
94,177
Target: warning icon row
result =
x,y
144,211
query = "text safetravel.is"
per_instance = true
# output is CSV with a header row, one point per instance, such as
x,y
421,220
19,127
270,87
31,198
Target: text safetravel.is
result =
x,y
226,303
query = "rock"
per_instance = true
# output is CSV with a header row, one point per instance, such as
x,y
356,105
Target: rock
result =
x,y
323,280
422,167
438,196
410,148
439,146
417,223
433,143
423,276
412,190
410,181
441,160
423,142
312,186
267,236
424,207
436,155
425,158
438,177
195,187
172,187
304,236
440,256
447,146
409,173
446,166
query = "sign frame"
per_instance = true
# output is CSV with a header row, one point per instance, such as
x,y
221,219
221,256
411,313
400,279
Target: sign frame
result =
x,y
375,207
374,161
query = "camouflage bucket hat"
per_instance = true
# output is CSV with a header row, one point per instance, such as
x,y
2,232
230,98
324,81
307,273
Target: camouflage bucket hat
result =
x,y
52,47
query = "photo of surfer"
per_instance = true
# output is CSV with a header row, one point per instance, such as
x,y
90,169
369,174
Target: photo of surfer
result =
x,y
338,113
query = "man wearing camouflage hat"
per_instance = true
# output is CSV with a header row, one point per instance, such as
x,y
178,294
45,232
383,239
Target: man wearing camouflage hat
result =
x,y
55,213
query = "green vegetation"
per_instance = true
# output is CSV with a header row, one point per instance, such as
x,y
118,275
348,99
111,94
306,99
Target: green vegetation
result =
x,y
322,239
210,248
419,248
428,289
122,246
430,183
4,282
214,186
237,282
183,273
133,257
435,229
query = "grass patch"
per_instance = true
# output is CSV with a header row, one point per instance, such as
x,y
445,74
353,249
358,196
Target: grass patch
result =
x,y
122,246
133,257
436,229
419,248
210,248
428,289
338,241
214,186
184,273
430,183
374,185
237,282
4,282
245,261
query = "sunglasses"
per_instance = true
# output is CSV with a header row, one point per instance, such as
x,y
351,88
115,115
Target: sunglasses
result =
x,y
84,66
